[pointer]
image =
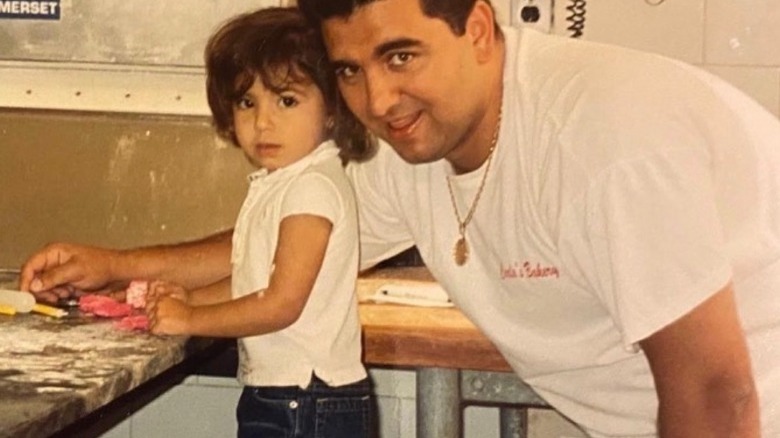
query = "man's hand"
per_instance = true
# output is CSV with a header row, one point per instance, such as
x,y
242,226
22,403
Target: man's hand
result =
x,y
59,269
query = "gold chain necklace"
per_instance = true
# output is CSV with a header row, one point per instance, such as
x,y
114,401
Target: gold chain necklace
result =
x,y
461,250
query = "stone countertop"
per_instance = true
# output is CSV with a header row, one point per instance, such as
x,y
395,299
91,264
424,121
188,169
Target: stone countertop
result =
x,y
56,371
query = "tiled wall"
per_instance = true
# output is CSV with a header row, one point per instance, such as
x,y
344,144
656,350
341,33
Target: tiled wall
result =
x,y
734,39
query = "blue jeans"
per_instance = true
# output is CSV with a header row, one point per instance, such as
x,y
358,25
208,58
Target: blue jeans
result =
x,y
318,411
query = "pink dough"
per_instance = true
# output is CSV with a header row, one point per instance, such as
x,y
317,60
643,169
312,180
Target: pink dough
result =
x,y
107,307
133,322
102,305
136,294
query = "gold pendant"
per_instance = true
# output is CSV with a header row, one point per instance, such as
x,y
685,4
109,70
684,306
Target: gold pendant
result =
x,y
461,251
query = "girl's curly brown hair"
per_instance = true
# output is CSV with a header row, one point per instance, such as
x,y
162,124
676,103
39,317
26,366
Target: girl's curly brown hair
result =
x,y
263,44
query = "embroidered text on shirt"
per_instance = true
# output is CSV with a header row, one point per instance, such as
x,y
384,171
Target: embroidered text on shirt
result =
x,y
528,269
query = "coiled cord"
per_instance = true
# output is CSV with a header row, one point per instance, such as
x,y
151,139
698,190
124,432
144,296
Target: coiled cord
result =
x,y
576,17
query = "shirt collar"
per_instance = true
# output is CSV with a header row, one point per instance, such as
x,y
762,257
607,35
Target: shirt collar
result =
x,y
324,151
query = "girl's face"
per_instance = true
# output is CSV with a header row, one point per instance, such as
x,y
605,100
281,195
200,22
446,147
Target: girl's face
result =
x,y
278,128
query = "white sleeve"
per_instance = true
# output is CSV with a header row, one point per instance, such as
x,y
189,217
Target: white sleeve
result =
x,y
648,233
383,232
315,194
652,240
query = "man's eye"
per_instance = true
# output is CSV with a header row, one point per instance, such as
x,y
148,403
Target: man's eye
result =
x,y
287,101
401,58
346,72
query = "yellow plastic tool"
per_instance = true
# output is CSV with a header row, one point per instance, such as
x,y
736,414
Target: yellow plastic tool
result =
x,y
24,302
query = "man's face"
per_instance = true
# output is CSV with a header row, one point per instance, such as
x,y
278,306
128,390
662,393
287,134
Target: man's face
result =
x,y
407,77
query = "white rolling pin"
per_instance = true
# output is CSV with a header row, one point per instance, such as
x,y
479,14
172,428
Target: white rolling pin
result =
x,y
23,302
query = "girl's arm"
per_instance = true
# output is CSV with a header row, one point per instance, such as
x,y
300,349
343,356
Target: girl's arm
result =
x,y
303,240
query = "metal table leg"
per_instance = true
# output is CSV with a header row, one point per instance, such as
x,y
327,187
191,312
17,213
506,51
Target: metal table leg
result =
x,y
505,389
514,422
438,403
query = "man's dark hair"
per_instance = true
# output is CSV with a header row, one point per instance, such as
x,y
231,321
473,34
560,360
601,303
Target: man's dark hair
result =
x,y
453,12
278,46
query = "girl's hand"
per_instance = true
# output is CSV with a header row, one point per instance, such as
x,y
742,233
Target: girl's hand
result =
x,y
167,308
168,316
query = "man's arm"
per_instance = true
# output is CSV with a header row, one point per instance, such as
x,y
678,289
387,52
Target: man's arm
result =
x,y
702,373
192,264
214,293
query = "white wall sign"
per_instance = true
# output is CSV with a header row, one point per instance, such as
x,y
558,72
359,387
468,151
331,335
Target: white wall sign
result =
x,y
30,9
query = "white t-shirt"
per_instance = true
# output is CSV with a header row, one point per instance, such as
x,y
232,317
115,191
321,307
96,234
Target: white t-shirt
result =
x,y
626,189
326,338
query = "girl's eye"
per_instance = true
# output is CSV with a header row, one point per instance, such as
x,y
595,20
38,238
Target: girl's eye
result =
x,y
287,101
401,58
244,103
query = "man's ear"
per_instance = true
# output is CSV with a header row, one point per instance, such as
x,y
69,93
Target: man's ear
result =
x,y
480,28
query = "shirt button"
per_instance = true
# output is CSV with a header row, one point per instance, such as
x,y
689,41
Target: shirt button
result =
x,y
293,404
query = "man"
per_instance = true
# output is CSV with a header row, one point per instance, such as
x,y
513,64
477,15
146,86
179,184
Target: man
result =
x,y
608,218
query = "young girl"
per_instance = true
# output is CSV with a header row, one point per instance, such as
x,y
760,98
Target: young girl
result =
x,y
291,298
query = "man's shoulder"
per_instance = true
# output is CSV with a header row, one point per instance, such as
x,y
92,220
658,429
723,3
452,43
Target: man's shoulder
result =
x,y
385,163
387,175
